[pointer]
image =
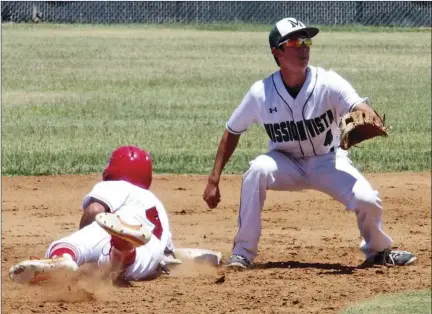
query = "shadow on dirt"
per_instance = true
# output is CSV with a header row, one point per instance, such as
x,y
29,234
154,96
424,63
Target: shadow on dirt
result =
x,y
330,268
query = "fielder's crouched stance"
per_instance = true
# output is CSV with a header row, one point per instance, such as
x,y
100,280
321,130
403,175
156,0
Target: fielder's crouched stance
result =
x,y
299,107
124,227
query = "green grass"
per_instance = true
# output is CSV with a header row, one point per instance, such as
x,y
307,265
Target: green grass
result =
x,y
413,302
72,93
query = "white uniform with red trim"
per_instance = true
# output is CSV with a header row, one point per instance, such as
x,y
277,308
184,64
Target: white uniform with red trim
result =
x,y
135,206
303,154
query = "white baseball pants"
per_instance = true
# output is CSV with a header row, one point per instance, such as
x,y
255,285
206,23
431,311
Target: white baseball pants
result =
x,y
332,174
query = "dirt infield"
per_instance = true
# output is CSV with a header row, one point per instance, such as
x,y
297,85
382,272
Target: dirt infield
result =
x,y
308,250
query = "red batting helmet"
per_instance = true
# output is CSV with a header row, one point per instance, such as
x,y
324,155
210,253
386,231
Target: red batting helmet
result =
x,y
131,164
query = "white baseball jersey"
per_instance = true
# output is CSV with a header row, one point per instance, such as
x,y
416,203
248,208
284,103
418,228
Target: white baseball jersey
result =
x,y
145,207
303,126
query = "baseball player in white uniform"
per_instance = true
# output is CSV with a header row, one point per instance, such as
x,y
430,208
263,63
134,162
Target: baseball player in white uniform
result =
x,y
124,226
299,107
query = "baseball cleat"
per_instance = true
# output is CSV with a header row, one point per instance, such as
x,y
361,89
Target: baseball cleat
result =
x,y
36,270
238,262
391,258
136,235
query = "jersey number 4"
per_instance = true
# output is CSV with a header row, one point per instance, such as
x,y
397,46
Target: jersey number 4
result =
x,y
329,138
153,216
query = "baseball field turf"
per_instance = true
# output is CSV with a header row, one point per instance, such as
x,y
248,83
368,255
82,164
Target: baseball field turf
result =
x,y
73,93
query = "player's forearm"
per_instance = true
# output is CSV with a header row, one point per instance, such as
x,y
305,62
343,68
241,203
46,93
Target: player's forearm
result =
x,y
87,219
226,148
90,213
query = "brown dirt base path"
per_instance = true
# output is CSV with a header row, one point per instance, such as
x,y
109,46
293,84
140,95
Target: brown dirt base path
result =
x,y
308,250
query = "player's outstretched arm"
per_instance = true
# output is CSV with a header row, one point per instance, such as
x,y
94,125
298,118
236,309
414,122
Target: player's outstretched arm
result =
x,y
226,148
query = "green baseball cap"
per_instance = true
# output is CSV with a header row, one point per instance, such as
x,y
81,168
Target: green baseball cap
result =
x,y
287,27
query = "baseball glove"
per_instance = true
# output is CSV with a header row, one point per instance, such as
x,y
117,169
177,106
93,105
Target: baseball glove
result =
x,y
359,126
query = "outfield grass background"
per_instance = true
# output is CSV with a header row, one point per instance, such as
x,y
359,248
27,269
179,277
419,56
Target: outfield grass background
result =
x,y
72,93
409,302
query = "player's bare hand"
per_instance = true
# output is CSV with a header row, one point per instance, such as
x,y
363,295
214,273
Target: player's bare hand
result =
x,y
212,195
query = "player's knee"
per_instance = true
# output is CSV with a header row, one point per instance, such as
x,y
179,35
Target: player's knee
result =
x,y
368,202
261,166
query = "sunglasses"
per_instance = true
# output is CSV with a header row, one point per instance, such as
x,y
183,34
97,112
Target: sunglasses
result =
x,y
296,42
